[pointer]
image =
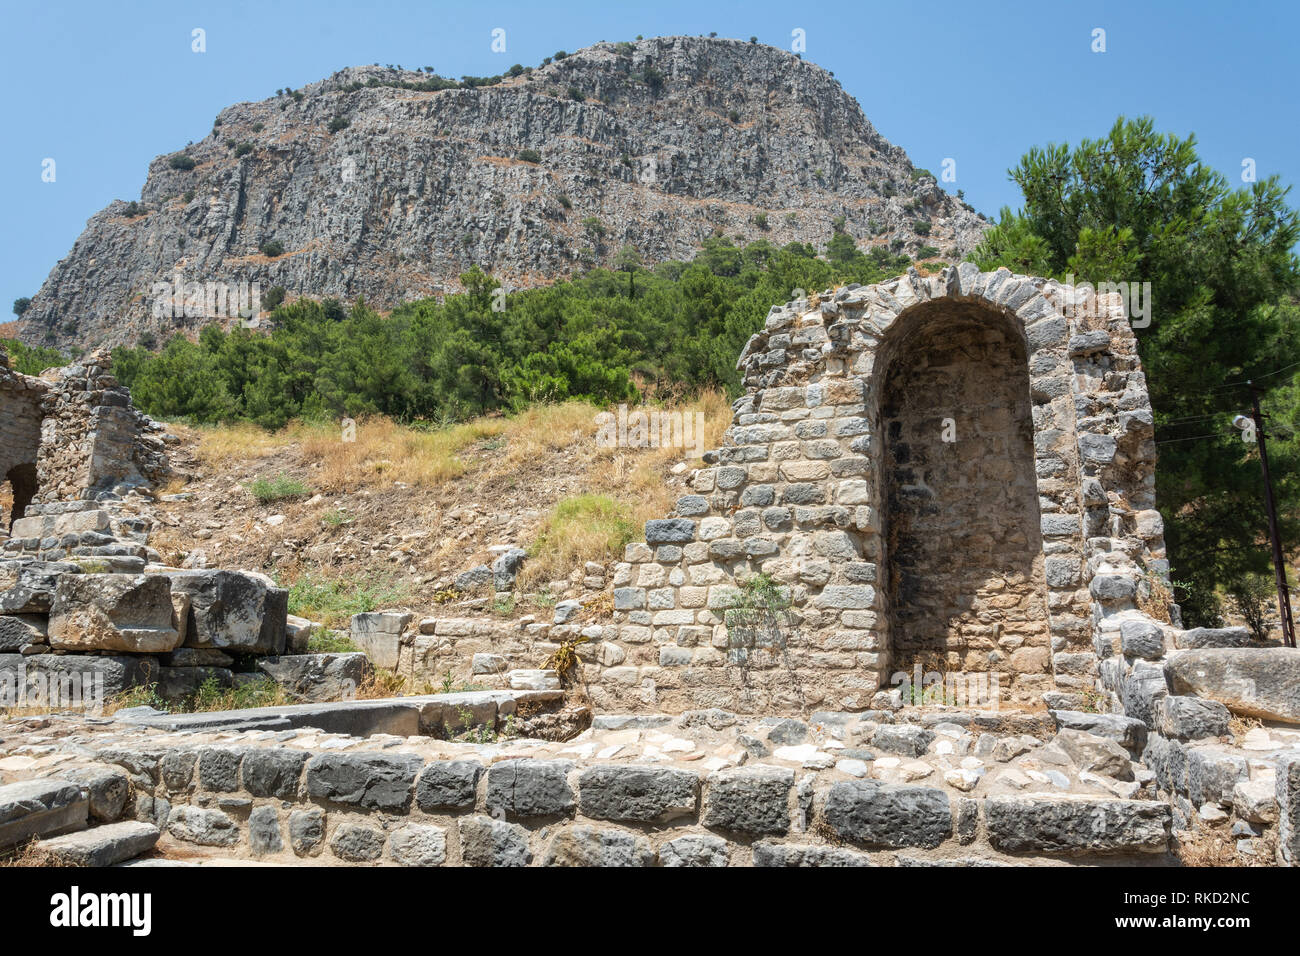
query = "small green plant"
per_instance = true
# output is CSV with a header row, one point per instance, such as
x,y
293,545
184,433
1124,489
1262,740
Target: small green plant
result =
x,y
564,200
243,149
181,161
339,123
336,517
760,220
272,248
324,641
278,488
333,601
759,614
530,156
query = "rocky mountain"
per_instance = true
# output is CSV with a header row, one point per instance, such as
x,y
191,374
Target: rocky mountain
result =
x,y
366,184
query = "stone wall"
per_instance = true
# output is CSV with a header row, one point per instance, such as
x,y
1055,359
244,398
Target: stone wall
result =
x,y
384,801
20,436
73,434
991,553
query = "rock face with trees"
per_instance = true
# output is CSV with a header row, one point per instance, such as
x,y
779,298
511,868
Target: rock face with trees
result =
x,y
389,183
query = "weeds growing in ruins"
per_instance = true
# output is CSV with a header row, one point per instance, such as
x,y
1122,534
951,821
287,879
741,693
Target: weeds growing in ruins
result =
x,y
210,696
564,660
281,487
322,640
760,618
333,601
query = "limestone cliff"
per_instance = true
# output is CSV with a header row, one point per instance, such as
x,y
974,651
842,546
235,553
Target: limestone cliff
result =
x,y
375,189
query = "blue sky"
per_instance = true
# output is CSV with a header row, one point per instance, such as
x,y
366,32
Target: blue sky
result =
x,y
102,88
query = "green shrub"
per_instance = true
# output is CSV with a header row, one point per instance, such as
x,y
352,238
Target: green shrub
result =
x,y
530,156
338,123
243,149
266,490
181,161
272,248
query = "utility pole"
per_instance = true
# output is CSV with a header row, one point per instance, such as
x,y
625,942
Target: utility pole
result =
x,y
1279,567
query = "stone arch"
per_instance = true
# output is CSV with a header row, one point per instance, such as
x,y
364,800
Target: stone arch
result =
x,y
20,442
22,489
962,552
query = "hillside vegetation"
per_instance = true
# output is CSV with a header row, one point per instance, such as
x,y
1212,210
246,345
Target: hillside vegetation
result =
x,y
608,336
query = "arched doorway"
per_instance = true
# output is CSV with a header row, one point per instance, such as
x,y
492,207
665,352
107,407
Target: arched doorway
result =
x,y
19,488
964,562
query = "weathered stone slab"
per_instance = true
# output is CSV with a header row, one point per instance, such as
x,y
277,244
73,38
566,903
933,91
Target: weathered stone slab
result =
x,y
370,780
529,788
103,846
1192,718
644,794
202,826
273,772
1095,753
233,611
77,679
1076,825
418,845
113,612
767,853
1256,682
39,808
488,842
1129,732
1288,809
106,789
22,630
875,814
1205,637
906,739
27,587
379,635
448,785
318,677
597,846
694,850
749,800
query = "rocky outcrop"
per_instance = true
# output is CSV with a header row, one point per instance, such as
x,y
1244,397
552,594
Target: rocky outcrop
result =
x,y
389,193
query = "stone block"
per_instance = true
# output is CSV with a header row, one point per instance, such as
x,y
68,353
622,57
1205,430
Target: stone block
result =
x,y
749,800
113,612
642,794
875,814
530,788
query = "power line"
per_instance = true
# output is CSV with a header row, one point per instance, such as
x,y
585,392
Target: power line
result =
x,y
1170,441
1255,378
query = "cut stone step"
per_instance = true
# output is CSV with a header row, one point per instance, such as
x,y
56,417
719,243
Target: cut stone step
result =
x,y
102,846
40,808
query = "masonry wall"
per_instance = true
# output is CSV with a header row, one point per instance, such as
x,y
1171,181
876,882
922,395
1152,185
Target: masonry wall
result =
x,y
20,435
800,494
75,434
964,579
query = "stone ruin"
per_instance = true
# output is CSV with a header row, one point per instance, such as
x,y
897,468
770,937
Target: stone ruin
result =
x,y
87,610
949,476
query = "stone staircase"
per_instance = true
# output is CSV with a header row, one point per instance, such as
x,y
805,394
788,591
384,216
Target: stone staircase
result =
x,y
76,820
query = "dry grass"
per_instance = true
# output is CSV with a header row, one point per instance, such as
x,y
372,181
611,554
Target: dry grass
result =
x,y
1207,847
628,488
218,445
28,855
385,453
1239,726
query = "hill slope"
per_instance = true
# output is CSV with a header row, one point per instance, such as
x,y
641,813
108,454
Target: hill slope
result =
x,y
658,144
